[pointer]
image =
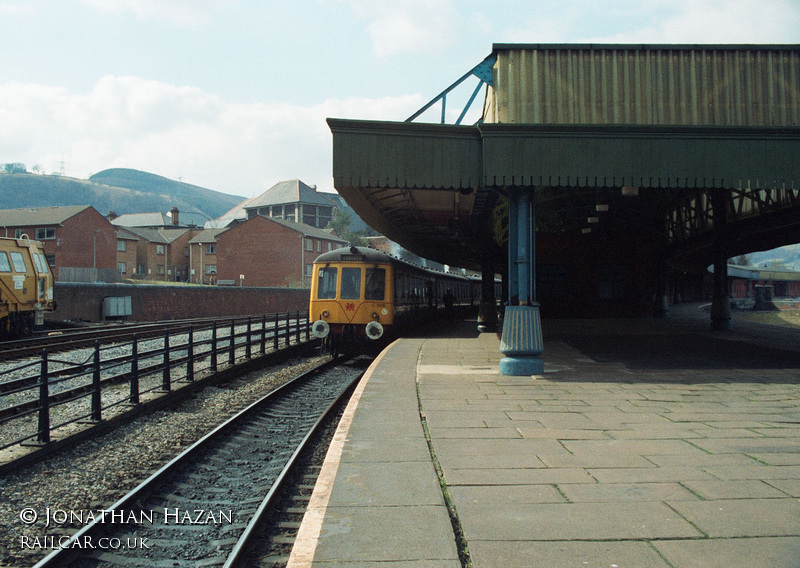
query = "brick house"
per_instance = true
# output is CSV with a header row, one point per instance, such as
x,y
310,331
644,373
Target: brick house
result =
x,y
162,254
203,256
292,200
270,252
127,262
76,238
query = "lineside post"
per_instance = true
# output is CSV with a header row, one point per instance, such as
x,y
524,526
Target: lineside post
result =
x,y
44,403
166,380
134,370
214,347
190,355
96,399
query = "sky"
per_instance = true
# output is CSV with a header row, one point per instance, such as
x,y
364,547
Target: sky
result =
x,y
232,95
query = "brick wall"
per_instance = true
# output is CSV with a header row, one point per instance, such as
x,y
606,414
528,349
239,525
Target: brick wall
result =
x,y
265,252
78,301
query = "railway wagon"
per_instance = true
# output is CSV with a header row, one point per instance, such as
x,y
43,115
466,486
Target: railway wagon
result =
x,y
26,286
360,296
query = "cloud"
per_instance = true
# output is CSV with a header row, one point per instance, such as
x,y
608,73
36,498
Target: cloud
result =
x,y
662,21
178,131
188,13
410,26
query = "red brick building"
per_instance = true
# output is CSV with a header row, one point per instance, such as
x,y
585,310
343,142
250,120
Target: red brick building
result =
x,y
76,238
270,252
163,254
203,256
126,253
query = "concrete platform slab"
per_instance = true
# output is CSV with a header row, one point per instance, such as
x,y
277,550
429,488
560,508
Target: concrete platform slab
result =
x,y
536,554
727,553
626,451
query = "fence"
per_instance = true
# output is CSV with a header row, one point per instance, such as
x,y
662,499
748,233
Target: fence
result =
x,y
38,393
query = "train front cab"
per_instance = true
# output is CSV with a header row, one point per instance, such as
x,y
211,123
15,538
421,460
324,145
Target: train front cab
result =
x,y
351,304
26,286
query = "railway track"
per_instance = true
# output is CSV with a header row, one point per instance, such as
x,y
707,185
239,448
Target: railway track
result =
x,y
204,505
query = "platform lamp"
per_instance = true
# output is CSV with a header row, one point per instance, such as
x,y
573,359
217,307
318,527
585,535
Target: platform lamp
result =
x,y
521,342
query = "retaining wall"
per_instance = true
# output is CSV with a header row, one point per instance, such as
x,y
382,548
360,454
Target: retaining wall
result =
x,y
84,301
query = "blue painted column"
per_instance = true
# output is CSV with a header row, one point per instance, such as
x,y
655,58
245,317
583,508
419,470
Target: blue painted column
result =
x,y
521,342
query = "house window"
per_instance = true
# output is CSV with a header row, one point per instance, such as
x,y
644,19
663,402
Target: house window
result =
x,y
160,250
43,233
18,233
211,268
51,259
309,270
330,246
211,249
160,269
308,244
319,246
122,246
310,215
121,267
186,251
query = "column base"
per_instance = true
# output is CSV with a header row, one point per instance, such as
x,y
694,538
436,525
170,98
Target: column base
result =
x,y
521,366
521,342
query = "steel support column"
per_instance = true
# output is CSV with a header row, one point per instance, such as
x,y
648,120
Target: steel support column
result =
x,y
521,342
487,313
720,303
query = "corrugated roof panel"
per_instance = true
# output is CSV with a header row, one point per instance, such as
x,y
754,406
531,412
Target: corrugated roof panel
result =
x,y
647,85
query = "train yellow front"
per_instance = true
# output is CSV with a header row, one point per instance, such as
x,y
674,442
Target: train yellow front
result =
x,y
359,296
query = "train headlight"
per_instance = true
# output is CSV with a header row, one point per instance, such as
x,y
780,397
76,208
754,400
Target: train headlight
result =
x,y
375,316
321,329
325,313
374,330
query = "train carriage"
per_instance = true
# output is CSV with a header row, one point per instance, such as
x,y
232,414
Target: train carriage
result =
x,y
360,296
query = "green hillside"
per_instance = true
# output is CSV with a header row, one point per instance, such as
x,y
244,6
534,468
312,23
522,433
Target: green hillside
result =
x,y
119,190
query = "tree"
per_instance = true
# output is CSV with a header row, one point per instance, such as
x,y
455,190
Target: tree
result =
x,y
340,223
15,168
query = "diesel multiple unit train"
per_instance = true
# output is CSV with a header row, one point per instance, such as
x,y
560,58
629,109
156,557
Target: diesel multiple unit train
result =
x,y
360,295
26,286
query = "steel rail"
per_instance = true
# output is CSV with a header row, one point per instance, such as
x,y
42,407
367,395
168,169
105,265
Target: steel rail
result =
x,y
68,553
245,540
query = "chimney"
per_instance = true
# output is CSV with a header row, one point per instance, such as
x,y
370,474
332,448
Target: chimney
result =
x,y
174,214
111,216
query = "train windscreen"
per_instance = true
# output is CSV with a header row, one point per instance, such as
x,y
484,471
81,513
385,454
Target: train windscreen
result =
x,y
351,283
326,283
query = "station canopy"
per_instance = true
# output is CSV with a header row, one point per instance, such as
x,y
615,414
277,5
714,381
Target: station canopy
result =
x,y
609,137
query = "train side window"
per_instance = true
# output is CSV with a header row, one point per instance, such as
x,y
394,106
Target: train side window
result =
x,y
375,288
351,283
37,263
326,283
19,262
5,266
